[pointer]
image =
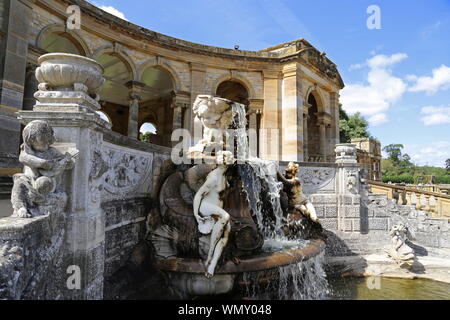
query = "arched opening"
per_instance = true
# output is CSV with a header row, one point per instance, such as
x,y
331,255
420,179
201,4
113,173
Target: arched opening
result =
x,y
313,132
148,133
234,91
104,116
61,42
157,97
114,93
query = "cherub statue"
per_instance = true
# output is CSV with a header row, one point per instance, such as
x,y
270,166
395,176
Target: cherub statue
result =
x,y
43,164
400,251
293,188
215,115
209,213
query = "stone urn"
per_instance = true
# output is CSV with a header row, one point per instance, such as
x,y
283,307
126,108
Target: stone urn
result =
x,y
345,152
69,72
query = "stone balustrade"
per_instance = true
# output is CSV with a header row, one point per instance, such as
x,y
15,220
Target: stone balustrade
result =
x,y
436,204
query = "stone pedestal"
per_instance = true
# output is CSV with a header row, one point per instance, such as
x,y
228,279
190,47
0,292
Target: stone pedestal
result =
x,y
348,189
71,113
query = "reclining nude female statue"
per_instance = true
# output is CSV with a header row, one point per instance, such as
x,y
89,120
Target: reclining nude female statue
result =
x,y
208,211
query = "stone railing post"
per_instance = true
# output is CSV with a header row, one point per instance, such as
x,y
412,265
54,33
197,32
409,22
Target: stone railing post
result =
x,y
348,188
67,100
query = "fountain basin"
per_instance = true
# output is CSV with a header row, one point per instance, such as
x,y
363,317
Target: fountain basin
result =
x,y
192,271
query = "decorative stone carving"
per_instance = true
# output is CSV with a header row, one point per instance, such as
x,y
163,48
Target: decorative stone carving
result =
x,y
98,167
400,251
37,191
215,115
68,80
315,178
345,153
352,181
319,60
127,172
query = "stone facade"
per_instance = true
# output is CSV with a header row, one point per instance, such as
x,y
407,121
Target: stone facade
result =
x,y
369,155
277,82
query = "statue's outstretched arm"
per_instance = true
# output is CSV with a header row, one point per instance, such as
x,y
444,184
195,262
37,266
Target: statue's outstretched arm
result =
x,y
33,161
286,182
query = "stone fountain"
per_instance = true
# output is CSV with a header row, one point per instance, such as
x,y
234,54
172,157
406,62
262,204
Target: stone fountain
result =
x,y
236,224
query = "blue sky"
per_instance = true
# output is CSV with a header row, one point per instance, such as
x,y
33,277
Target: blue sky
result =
x,y
398,76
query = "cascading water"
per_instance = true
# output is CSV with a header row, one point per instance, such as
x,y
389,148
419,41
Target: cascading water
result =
x,y
302,280
239,124
305,280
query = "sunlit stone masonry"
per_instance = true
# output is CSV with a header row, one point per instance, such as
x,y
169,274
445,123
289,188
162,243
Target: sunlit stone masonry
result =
x,y
91,205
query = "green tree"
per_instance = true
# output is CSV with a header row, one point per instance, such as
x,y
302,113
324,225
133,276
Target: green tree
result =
x,y
145,137
394,152
447,165
351,127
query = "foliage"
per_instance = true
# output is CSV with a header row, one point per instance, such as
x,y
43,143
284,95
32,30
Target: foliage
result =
x,y
447,165
145,137
394,152
351,127
404,171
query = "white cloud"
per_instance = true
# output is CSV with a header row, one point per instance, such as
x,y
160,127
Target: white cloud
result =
x,y
356,66
435,115
382,90
433,154
113,11
440,80
383,61
428,31
378,119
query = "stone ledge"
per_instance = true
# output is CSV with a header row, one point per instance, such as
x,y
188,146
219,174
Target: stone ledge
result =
x,y
434,268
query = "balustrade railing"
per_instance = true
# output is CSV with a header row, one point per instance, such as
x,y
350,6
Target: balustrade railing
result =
x,y
436,204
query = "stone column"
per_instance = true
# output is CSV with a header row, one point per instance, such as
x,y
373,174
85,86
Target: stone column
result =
x,y
305,132
348,189
270,134
254,109
292,114
334,106
70,111
133,111
329,144
180,104
198,86
323,140
15,19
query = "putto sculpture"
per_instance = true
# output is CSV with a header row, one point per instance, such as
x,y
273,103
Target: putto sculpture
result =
x,y
400,251
215,116
36,190
301,211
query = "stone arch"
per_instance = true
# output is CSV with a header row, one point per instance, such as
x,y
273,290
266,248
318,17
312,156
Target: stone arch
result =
x,y
105,116
236,78
313,131
115,50
71,35
157,62
316,92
